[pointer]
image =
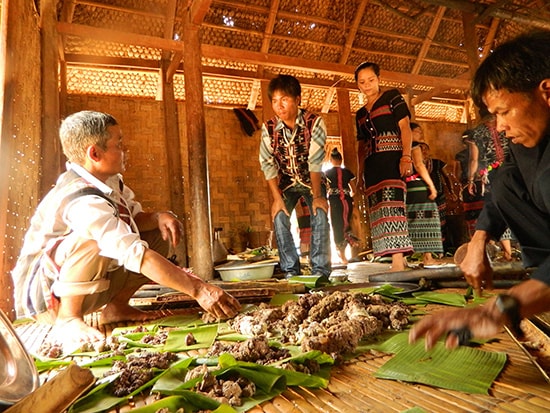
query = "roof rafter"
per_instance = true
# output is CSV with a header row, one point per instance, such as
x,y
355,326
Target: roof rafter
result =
x,y
251,57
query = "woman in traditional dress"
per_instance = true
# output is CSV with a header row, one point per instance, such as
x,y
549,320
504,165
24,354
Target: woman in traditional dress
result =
x,y
384,159
490,148
422,211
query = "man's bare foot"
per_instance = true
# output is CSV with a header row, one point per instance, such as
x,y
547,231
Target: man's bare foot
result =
x,y
113,313
73,334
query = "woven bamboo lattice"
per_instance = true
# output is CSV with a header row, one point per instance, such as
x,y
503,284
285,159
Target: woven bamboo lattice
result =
x,y
424,40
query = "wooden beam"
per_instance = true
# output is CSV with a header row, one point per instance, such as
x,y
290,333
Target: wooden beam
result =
x,y
175,63
470,41
353,31
323,67
214,72
490,39
121,9
117,36
198,10
255,93
247,56
478,8
268,32
328,100
428,40
489,10
269,25
171,8
267,108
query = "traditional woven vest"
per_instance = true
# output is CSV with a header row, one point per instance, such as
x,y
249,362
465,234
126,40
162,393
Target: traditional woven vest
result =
x,y
292,157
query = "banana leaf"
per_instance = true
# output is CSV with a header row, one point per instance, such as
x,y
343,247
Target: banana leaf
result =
x,y
100,399
134,340
172,403
463,369
310,281
280,299
254,371
453,299
50,364
171,321
204,337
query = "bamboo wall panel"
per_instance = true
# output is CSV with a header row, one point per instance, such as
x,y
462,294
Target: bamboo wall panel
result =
x,y
238,193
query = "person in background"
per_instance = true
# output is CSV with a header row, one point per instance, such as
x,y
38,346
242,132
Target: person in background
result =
x,y
422,211
442,182
340,198
488,153
291,156
513,83
384,159
90,244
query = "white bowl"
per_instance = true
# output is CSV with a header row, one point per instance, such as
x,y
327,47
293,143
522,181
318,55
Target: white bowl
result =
x,y
245,271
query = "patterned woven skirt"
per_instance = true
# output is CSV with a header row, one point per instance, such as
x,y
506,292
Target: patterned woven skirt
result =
x,y
423,216
473,204
388,221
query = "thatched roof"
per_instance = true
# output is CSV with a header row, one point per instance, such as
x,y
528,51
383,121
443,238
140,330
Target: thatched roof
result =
x,y
425,48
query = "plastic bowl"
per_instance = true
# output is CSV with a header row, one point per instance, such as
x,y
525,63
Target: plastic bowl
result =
x,y
244,271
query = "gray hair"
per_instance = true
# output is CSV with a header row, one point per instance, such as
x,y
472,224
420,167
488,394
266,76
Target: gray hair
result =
x,y
82,129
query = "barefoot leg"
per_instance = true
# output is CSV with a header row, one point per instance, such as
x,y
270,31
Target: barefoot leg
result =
x,y
397,263
70,329
118,309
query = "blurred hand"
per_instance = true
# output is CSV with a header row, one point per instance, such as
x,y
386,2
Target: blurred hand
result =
x,y
477,321
170,227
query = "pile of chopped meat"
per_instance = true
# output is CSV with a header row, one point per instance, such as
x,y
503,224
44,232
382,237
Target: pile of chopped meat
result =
x,y
228,390
330,322
255,350
138,370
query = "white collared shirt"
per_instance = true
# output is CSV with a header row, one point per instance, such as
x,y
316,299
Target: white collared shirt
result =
x,y
92,217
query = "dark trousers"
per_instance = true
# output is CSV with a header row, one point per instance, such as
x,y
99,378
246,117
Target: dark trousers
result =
x,y
529,224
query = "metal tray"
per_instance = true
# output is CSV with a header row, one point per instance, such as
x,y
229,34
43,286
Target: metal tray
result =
x,y
18,375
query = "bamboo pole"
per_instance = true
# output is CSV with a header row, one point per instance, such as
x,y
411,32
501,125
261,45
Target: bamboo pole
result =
x,y
57,394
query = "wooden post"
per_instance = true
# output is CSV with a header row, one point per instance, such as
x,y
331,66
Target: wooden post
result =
x,y
173,153
7,92
267,113
267,109
359,221
200,227
51,147
20,120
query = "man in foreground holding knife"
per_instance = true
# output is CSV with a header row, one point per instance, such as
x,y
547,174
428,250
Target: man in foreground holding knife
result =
x,y
513,83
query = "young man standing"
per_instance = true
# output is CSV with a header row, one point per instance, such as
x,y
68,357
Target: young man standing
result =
x,y
292,150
